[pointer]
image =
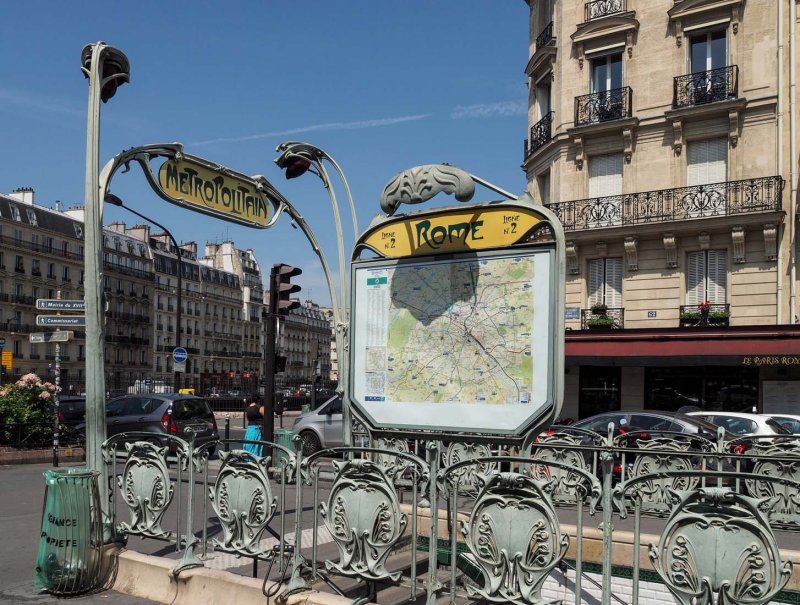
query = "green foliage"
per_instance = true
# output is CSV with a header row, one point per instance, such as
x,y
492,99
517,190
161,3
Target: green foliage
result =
x,y
718,317
690,316
600,323
28,403
599,308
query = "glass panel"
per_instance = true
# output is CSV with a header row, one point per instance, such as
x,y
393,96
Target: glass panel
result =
x,y
719,54
698,53
184,409
599,390
599,74
615,67
709,387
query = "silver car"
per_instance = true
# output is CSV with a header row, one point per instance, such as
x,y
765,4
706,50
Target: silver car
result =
x,y
322,427
741,423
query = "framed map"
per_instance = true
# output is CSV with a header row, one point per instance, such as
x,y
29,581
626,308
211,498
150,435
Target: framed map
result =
x,y
462,343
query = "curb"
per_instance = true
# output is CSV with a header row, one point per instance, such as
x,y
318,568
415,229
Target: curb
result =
x,y
38,456
151,578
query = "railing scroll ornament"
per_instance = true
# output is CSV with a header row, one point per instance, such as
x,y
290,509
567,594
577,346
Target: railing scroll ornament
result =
x,y
514,537
705,524
146,489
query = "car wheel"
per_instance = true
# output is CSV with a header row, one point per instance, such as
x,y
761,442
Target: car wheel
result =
x,y
310,443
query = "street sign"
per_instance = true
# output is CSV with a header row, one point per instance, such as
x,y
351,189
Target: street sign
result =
x,y
2,342
64,336
7,360
60,320
179,355
179,366
50,304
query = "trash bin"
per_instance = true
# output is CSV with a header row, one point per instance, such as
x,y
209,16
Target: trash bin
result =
x,y
70,543
283,437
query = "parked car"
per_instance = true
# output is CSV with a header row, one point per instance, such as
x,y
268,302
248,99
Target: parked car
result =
x,y
741,423
162,414
790,422
322,427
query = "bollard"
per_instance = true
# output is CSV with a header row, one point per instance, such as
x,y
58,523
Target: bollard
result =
x,y
227,445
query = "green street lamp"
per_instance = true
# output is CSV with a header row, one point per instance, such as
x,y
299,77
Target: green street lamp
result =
x,y
107,69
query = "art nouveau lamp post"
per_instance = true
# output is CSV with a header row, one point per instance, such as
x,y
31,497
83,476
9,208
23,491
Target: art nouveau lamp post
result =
x,y
296,159
106,68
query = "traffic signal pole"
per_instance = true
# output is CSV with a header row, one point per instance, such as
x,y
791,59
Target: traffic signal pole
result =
x,y
280,291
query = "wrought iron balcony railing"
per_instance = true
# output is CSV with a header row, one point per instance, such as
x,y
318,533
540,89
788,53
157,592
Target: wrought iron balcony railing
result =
x,y
603,106
704,87
609,319
603,8
697,316
546,37
541,133
730,198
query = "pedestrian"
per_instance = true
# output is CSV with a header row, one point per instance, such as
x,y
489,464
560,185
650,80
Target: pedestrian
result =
x,y
254,413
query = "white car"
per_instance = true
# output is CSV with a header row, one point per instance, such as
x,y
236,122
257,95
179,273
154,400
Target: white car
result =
x,y
741,423
791,422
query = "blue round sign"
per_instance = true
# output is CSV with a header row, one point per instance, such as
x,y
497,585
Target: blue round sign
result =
x,y
179,354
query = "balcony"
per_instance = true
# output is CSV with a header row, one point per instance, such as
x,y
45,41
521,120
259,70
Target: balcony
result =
x,y
545,38
597,9
731,198
602,318
541,133
605,106
18,299
715,316
703,87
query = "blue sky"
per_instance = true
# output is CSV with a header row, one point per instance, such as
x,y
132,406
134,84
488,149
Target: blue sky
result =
x,y
381,86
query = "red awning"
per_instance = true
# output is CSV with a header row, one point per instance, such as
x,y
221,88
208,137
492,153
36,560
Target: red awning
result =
x,y
745,345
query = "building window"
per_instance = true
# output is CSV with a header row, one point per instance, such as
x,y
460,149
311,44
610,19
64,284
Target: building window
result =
x,y
32,217
15,214
707,161
599,392
606,73
707,277
604,282
543,180
708,50
51,270
65,274
605,179
19,264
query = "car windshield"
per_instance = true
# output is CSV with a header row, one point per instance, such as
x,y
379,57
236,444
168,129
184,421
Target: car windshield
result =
x,y
779,428
183,409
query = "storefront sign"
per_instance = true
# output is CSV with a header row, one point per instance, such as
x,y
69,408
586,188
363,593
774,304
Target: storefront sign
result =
x,y
461,231
220,192
771,360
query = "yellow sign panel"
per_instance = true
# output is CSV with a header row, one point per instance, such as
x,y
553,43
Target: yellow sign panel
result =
x,y
7,360
214,192
459,231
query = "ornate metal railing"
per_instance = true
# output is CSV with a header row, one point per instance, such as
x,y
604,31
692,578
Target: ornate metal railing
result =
x,y
541,133
476,521
609,319
705,315
703,87
545,37
730,198
603,8
603,106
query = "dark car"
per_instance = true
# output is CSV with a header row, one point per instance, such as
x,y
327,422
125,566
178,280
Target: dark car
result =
x,y
163,413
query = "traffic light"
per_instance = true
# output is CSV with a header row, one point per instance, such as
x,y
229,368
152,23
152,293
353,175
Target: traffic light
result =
x,y
281,282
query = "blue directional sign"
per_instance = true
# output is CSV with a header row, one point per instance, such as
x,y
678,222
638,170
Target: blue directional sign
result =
x,y
179,355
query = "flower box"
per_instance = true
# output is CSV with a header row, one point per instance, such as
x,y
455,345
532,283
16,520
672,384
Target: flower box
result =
x,y
600,323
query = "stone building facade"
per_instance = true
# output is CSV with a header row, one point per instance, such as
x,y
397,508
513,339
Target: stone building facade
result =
x,y
663,134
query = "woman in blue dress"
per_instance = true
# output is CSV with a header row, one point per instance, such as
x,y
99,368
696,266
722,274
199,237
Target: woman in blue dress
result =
x,y
254,413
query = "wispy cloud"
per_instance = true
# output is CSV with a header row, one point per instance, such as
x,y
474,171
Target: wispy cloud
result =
x,y
501,109
316,127
36,104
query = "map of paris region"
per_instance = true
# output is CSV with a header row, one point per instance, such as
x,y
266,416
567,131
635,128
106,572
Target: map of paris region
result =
x,y
452,332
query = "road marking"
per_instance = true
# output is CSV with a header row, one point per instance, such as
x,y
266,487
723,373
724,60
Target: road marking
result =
x,y
223,560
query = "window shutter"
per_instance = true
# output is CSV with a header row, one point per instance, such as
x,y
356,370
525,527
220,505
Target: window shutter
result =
x,y
717,287
695,277
594,287
717,160
605,175
614,283
707,162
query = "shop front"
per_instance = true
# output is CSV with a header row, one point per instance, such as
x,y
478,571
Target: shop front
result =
x,y
744,369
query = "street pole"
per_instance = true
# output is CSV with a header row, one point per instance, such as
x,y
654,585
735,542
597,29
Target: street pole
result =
x,y
106,68
116,201
57,398
268,421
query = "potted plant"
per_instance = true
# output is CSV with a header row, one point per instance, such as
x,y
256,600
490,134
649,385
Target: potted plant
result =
x,y
600,323
718,317
600,309
690,317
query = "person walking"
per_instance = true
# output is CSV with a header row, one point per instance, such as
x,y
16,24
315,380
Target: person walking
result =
x,y
254,413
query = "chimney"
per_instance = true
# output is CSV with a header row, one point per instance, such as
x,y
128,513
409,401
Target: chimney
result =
x,y
23,194
190,247
58,205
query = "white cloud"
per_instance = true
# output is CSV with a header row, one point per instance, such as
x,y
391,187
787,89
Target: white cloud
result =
x,y
316,127
501,109
32,103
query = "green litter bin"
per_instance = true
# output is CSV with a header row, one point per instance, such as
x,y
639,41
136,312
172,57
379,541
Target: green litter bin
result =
x,y
283,437
69,560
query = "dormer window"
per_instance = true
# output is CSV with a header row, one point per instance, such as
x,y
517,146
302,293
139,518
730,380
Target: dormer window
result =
x,y
15,214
